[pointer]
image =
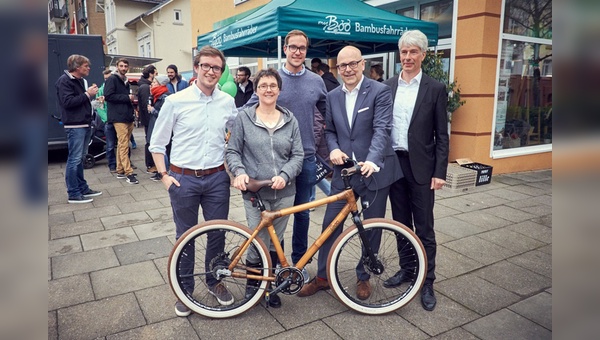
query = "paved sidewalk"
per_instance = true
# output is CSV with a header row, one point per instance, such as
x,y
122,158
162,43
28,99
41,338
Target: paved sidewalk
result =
x,y
107,265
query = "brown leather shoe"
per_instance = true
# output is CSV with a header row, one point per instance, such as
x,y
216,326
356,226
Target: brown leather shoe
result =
x,y
313,286
363,289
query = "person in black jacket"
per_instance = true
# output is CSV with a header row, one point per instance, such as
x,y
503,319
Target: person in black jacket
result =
x,y
245,88
74,98
328,77
143,94
120,112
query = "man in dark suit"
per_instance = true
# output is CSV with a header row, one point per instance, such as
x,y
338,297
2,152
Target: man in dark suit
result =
x,y
358,126
420,139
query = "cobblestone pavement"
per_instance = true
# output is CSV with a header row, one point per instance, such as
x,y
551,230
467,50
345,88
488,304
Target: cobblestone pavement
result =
x,y
107,265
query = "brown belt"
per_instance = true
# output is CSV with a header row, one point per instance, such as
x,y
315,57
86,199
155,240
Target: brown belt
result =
x,y
197,173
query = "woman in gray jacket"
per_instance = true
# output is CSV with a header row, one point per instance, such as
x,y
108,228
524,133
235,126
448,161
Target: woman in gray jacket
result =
x,y
265,143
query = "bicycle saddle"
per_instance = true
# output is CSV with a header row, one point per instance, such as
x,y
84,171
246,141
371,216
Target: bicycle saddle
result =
x,y
254,185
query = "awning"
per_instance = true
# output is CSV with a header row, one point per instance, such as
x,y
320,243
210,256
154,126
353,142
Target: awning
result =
x,y
134,61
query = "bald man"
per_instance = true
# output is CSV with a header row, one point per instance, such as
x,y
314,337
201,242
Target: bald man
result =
x,y
358,126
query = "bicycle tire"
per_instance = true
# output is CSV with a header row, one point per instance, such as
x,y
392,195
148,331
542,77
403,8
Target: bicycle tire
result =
x,y
200,299
346,253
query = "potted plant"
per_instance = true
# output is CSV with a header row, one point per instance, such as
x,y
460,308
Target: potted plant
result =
x,y
433,67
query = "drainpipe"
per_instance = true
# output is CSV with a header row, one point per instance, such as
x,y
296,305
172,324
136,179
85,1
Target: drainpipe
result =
x,y
151,32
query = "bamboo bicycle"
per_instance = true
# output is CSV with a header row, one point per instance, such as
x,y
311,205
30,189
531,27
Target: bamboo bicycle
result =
x,y
348,250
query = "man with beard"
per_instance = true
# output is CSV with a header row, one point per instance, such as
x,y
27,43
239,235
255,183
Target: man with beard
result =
x,y
176,83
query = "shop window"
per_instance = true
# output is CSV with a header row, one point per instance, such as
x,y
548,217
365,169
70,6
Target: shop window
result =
x,y
439,12
524,89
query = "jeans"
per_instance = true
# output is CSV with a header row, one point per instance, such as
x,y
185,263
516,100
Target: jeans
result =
x,y
78,140
111,142
325,187
304,183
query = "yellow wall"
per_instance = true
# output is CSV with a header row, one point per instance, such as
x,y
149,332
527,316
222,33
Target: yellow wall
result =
x,y
477,38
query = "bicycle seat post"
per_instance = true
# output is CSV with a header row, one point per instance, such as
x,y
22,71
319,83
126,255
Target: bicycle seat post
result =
x,y
257,202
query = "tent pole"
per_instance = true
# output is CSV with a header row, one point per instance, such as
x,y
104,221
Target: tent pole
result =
x,y
279,51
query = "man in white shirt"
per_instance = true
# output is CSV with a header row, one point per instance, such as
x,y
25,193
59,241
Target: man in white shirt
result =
x,y
196,119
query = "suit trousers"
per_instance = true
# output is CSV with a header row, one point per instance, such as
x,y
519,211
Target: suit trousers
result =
x,y
377,204
413,202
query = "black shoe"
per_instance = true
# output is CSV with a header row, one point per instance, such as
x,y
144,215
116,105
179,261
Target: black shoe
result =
x,y
428,299
274,301
91,193
397,279
131,179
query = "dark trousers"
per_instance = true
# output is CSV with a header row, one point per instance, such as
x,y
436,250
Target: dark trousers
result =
x,y
304,184
413,202
147,153
377,204
212,194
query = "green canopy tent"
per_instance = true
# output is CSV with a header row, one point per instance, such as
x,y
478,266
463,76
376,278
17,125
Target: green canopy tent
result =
x,y
330,25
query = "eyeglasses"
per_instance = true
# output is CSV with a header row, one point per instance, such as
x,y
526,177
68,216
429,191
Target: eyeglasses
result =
x,y
207,67
264,87
294,48
353,65
240,75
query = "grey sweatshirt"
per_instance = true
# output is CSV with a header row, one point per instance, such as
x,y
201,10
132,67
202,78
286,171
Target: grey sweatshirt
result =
x,y
260,154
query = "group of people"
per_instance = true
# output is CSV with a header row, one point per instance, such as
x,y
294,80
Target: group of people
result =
x,y
396,130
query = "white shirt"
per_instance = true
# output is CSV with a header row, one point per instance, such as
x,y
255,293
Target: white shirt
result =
x,y
243,86
404,105
199,125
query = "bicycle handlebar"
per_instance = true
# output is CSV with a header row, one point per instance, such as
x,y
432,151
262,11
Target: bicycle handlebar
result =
x,y
347,172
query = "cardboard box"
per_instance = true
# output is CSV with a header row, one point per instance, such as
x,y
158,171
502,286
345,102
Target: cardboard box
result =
x,y
484,171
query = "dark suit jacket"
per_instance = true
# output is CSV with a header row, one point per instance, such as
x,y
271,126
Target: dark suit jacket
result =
x,y
369,138
428,130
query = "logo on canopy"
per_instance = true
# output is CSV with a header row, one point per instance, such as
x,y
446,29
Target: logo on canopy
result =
x,y
334,26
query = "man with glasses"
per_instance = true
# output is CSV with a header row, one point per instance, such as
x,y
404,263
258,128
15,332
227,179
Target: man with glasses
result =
x,y
301,92
245,88
358,123
197,117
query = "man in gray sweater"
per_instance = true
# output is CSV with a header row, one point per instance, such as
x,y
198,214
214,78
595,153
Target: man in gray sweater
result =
x,y
301,92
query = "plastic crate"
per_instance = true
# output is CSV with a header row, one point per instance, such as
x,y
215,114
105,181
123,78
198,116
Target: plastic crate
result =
x,y
460,179
484,172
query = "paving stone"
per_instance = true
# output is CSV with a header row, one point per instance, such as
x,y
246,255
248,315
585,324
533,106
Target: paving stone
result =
x,y
52,326
141,206
508,194
461,204
351,325
90,214
125,220
125,278
484,220
480,250
177,328
485,199
505,324
161,214
62,218
507,180
157,303
538,210
154,229
69,291
506,238
165,201
143,251
64,246
66,207
451,264
533,230
544,220
508,213
297,311
546,249
100,318
106,200
537,261
447,315
546,185
85,262
514,278
255,323
49,269
531,202
537,308
317,330
441,238
457,228
476,294
108,238
529,190
456,334
162,264
440,211
72,229
154,193
126,188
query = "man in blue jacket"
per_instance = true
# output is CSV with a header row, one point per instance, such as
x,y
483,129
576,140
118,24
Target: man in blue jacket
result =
x,y
74,98
175,84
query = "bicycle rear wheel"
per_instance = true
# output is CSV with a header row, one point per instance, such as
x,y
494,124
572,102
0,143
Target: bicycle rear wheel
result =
x,y
192,270
347,253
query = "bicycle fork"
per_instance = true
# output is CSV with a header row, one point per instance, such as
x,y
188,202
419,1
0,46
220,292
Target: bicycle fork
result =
x,y
369,256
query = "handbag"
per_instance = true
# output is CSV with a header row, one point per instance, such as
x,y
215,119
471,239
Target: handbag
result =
x,y
323,169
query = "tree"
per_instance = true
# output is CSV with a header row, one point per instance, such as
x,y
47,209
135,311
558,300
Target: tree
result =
x,y
433,67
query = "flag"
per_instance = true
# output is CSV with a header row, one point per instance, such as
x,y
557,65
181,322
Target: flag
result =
x,y
73,29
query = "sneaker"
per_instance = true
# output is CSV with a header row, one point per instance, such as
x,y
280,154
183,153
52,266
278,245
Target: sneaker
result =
x,y
306,275
80,199
152,170
131,179
134,145
92,193
221,293
156,177
181,309
121,176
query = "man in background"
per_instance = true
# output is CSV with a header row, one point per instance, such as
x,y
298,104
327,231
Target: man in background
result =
x,y
245,88
176,82
328,78
143,93
377,72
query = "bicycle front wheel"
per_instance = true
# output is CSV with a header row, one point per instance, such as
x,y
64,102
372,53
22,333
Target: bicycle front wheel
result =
x,y
394,245
199,263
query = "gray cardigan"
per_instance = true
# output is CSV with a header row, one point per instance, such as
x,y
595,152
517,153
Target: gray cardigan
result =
x,y
252,150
